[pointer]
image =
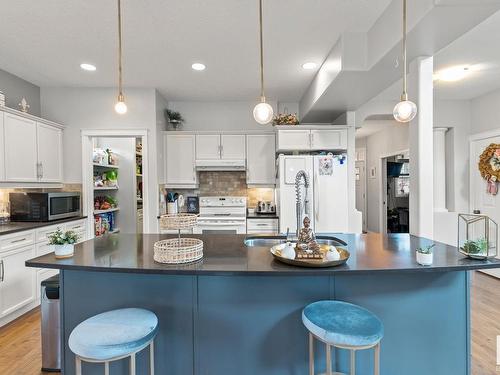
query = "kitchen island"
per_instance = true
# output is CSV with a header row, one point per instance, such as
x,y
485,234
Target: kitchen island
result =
x,y
238,311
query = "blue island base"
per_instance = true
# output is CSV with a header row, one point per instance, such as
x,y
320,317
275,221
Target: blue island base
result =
x,y
249,325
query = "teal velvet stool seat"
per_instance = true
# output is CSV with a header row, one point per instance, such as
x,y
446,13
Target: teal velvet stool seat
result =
x,y
342,325
114,335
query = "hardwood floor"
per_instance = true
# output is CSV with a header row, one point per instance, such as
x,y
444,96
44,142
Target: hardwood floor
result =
x,y
20,352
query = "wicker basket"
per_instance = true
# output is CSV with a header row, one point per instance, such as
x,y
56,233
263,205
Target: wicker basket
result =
x,y
178,250
178,221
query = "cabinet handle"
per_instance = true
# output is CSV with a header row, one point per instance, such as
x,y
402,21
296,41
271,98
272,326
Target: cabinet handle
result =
x,y
38,170
194,173
19,240
2,274
41,170
221,151
311,139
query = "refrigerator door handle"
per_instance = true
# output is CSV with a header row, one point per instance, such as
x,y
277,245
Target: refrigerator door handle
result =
x,y
316,194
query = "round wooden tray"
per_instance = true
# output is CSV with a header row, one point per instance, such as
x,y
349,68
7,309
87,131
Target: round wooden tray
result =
x,y
311,263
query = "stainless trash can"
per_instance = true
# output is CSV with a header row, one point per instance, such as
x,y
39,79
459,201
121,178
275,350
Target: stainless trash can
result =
x,y
51,326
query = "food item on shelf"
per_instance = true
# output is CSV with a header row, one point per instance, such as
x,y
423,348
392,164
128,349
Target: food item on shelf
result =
x,y
105,203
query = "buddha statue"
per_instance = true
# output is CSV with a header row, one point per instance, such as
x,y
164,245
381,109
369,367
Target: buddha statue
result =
x,y
307,240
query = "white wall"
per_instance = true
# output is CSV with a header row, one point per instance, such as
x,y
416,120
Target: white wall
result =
x,y
161,125
484,113
93,108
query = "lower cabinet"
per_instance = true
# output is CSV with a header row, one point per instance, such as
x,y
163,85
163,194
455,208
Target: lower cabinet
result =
x,y
17,282
255,226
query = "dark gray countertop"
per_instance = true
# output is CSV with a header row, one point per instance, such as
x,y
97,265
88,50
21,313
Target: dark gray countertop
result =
x,y
262,216
227,255
20,226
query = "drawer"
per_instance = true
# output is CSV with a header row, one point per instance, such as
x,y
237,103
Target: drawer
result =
x,y
261,231
43,248
262,224
42,234
76,226
15,241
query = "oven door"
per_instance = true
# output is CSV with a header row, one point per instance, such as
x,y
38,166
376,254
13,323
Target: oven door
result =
x,y
217,227
63,205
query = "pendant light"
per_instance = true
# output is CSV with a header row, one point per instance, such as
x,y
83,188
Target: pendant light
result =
x,y
263,112
120,106
405,110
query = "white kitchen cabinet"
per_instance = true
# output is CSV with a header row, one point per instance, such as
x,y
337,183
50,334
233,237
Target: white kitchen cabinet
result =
x,y
260,225
232,146
49,142
2,148
180,160
17,282
261,163
208,146
329,139
294,140
20,142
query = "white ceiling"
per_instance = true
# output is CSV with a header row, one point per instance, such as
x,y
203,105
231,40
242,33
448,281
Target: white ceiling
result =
x,y
45,41
374,126
479,48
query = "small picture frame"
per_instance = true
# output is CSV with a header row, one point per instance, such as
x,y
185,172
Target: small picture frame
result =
x,y
193,205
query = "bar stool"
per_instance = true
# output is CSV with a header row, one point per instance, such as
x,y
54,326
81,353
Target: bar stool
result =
x,y
345,326
114,335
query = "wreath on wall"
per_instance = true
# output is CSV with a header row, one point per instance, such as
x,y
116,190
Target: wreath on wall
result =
x,y
489,167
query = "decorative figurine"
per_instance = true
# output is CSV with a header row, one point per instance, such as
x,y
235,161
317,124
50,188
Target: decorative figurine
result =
x,y
24,105
306,243
305,234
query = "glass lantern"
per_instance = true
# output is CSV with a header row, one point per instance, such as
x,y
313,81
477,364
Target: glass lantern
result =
x,y
477,236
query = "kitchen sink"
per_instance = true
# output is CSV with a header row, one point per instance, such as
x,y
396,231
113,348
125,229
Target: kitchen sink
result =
x,y
269,241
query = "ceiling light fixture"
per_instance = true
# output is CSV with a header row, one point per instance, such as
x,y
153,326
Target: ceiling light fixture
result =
x,y
120,106
88,67
309,66
198,66
263,112
405,110
453,74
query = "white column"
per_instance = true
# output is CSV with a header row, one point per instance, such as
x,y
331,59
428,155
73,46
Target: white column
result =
x,y
421,90
440,169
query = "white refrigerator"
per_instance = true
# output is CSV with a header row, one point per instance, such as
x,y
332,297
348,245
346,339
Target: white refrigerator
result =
x,y
328,192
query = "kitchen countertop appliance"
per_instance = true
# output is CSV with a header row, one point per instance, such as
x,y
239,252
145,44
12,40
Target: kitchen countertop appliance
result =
x,y
265,207
222,215
44,206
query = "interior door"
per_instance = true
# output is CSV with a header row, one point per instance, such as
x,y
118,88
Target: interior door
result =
x,y
49,153
233,146
20,149
480,200
18,286
207,146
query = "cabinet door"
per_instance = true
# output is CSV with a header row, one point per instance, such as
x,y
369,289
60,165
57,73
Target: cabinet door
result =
x,y
20,149
49,141
2,149
294,140
207,146
233,146
18,285
180,159
329,139
261,164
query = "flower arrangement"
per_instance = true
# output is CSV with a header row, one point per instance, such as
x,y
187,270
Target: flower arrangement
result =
x,y
286,119
174,118
60,238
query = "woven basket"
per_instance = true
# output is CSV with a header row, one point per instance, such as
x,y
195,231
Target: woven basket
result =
x,y
178,221
178,250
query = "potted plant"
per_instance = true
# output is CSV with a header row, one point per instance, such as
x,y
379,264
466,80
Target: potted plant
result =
x,y
64,243
425,255
174,118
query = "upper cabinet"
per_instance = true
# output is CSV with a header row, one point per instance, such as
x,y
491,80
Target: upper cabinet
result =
x,y
220,146
32,149
180,160
261,159
311,139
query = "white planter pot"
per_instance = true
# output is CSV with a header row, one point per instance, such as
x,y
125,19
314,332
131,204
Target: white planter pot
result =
x,y
425,259
64,251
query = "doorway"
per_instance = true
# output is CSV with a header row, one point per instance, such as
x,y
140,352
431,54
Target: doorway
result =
x,y
395,193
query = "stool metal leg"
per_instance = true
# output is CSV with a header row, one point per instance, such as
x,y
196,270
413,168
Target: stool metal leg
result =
x,y
132,364
328,359
106,368
152,358
78,365
353,362
311,354
376,370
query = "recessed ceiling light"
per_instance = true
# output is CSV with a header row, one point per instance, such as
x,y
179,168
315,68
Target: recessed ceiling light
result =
x,y
88,67
452,74
309,66
198,66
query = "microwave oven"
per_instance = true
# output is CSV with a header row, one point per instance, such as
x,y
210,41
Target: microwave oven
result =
x,y
44,206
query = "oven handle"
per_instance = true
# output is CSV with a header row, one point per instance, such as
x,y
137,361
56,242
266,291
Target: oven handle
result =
x,y
232,224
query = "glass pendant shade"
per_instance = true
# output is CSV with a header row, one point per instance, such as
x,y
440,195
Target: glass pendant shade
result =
x,y
120,106
263,113
405,111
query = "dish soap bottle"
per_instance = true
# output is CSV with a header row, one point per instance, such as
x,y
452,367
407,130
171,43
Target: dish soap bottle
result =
x,y
288,251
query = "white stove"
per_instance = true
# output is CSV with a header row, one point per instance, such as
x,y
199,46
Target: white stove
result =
x,y
222,215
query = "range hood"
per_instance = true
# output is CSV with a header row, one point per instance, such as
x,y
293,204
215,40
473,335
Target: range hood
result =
x,y
221,165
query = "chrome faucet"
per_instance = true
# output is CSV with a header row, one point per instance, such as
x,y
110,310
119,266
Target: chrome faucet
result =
x,y
300,206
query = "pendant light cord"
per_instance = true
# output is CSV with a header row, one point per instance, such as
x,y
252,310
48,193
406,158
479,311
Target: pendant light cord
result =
x,y
405,92
120,93
262,96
